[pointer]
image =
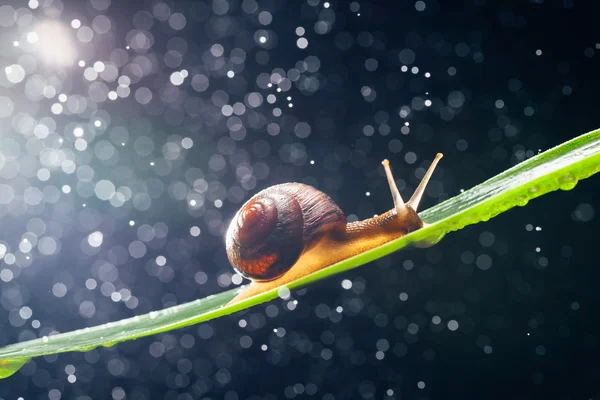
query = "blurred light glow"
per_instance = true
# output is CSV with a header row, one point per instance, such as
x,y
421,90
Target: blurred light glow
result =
x,y
78,132
55,45
14,73
95,239
32,37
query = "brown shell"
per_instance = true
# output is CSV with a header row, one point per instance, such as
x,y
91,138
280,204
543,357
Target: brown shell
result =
x,y
272,229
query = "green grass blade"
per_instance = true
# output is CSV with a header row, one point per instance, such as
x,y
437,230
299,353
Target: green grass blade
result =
x,y
558,168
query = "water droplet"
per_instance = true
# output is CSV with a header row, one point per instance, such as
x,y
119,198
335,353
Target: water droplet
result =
x,y
567,182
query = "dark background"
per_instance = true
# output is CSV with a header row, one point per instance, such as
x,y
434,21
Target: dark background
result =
x,y
528,327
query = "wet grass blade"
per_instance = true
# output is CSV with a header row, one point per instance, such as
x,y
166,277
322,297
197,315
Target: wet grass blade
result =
x,y
558,168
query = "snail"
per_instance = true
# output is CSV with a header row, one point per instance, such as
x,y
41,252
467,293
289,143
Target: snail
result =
x,y
290,230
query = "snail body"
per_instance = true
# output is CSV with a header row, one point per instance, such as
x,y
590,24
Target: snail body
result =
x,y
290,230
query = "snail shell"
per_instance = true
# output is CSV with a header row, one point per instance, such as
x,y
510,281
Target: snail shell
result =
x,y
272,229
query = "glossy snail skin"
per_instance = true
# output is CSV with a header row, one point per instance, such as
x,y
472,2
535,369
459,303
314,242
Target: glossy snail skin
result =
x,y
288,231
